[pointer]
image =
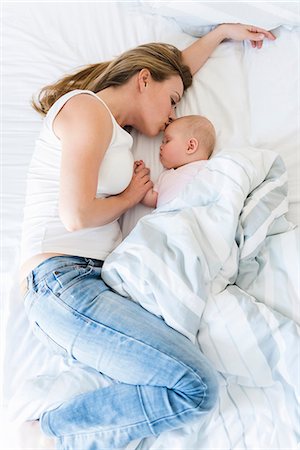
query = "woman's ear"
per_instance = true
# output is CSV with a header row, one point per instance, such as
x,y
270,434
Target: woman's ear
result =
x,y
143,79
192,146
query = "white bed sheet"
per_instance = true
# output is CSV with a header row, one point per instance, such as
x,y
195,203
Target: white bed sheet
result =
x,y
251,96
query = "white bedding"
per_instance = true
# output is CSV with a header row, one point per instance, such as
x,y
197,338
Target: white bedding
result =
x,y
211,283
179,256
251,97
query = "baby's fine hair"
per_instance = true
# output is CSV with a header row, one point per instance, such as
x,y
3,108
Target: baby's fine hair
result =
x,y
202,129
162,61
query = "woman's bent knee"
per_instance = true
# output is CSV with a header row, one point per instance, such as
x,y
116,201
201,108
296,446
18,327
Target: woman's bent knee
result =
x,y
204,394
199,389
210,397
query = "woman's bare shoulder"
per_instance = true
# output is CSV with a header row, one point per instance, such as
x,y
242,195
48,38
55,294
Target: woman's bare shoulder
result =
x,y
83,111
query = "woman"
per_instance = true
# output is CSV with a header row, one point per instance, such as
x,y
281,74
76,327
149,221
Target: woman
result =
x,y
82,178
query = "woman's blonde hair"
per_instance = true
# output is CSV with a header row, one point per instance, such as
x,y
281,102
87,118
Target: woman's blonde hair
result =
x,y
162,60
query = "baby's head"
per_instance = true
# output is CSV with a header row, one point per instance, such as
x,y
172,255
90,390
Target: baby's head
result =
x,y
187,139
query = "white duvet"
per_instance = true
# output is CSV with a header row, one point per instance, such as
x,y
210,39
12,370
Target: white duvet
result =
x,y
209,237
200,263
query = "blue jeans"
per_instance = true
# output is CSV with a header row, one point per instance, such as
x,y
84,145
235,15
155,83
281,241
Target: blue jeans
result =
x,y
162,380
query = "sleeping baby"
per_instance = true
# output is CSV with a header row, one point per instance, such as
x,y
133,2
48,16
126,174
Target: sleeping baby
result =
x,y
187,144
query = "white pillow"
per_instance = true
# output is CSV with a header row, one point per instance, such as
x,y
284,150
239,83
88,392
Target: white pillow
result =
x,y
197,18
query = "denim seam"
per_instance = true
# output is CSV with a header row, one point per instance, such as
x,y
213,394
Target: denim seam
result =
x,y
52,342
46,427
180,413
107,430
126,427
143,408
87,319
153,422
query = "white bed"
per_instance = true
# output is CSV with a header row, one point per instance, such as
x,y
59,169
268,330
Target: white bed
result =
x,y
251,96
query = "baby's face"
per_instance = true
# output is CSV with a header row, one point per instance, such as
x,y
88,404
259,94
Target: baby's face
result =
x,y
173,147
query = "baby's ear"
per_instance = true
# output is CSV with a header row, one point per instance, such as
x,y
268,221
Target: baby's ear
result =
x,y
192,146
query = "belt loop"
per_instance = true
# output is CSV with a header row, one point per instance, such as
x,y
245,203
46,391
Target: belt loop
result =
x,y
90,262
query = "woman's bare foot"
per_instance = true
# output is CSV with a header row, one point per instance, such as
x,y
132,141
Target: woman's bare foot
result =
x,y
30,436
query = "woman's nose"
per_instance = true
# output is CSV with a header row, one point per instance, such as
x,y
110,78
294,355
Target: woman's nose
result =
x,y
172,115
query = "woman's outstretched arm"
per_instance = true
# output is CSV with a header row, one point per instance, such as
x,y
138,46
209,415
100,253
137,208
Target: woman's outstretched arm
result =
x,y
197,54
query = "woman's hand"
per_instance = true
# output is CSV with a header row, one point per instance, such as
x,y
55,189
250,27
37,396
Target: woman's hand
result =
x,y
139,185
196,55
241,32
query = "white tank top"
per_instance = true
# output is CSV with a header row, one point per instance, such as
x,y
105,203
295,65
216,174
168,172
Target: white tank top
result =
x,y
43,230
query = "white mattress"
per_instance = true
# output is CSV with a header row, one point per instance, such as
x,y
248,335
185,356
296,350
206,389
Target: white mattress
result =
x,y
252,97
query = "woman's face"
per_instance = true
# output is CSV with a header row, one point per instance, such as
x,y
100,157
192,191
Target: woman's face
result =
x,y
158,104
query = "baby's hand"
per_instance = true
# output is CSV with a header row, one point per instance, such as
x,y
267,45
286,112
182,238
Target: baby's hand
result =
x,y
139,185
138,165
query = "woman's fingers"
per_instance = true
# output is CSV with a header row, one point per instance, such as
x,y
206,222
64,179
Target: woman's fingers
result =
x,y
258,35
262,31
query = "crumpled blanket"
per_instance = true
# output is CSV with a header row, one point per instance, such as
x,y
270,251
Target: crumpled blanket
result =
x,y
220,264
202,241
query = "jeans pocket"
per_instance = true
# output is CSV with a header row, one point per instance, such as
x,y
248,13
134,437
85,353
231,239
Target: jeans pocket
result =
x,y
64,278
75,287
47,341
